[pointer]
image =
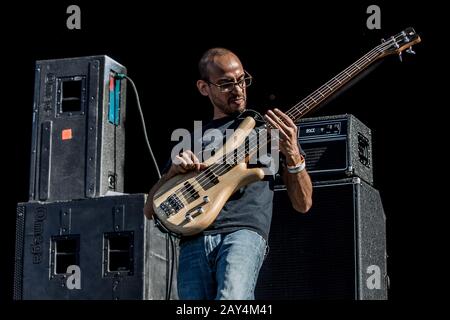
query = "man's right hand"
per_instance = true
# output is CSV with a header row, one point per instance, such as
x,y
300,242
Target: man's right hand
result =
x,y
185,162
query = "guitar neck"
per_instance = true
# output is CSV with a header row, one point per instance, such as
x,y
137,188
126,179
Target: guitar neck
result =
x,y
324,92
332,86
395,45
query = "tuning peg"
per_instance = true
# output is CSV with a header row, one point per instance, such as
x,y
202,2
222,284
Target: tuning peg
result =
x,y
400,56
410,50
382,40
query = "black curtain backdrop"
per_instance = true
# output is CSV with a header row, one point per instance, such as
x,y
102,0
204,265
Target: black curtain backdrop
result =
x,y
290,49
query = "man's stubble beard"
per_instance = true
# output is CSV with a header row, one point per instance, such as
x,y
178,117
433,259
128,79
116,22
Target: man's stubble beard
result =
x,y
227,109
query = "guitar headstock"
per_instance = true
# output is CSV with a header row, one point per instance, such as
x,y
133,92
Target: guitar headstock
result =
x,y
400,42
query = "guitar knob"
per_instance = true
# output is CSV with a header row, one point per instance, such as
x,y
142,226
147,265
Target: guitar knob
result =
x,y
188,217
200,210
206,199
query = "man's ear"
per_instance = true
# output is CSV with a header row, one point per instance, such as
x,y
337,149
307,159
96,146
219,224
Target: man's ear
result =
x,y
202,86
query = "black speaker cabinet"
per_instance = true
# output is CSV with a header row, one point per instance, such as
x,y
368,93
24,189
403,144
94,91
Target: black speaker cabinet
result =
x,y
335,251
78,135
102,248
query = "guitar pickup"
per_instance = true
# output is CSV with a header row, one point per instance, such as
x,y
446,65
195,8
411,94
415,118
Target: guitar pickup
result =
x,y
172,205
189,193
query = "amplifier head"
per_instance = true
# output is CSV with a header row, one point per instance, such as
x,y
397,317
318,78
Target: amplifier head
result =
x,y
336,147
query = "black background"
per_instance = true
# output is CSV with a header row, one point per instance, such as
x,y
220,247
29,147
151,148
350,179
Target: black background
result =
x,y
290,49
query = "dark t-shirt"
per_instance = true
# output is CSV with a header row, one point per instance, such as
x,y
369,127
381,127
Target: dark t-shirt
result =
x,y
250,207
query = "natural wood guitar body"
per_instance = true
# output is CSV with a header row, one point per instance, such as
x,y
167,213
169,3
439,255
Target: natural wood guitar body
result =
x,y
197,215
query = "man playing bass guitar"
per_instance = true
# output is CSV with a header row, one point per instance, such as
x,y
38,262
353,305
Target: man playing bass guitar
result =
x,y
223,261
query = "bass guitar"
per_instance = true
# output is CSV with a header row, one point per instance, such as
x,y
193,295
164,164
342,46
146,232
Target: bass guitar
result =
x,y
188,203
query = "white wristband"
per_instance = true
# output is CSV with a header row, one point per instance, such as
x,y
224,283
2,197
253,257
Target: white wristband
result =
x,y
300,167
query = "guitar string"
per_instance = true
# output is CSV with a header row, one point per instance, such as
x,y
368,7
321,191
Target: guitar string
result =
x,y
185,192
209,174
348,70
332,85
298,113
204,176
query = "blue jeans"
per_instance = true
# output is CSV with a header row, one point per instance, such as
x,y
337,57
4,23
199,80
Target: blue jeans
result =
x,y
221,266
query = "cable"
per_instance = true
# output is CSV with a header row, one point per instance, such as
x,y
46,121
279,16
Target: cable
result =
x,y
121,76
170,266
168,280
172,246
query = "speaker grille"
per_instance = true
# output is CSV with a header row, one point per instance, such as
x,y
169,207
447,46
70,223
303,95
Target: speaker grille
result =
x,y
325,156
18,267
329,252
312,256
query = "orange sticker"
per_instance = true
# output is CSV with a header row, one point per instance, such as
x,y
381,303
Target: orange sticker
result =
x,y
67,134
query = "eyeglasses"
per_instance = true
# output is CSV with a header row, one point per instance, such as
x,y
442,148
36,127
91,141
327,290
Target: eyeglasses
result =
x,y
229,86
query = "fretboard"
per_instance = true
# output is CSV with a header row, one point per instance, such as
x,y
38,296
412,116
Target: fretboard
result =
x,y
324,92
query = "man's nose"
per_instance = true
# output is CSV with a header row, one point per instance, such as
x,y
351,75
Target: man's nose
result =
x,y
237,88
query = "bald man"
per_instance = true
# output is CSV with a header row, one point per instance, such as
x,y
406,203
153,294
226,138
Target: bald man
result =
x,y
223,261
